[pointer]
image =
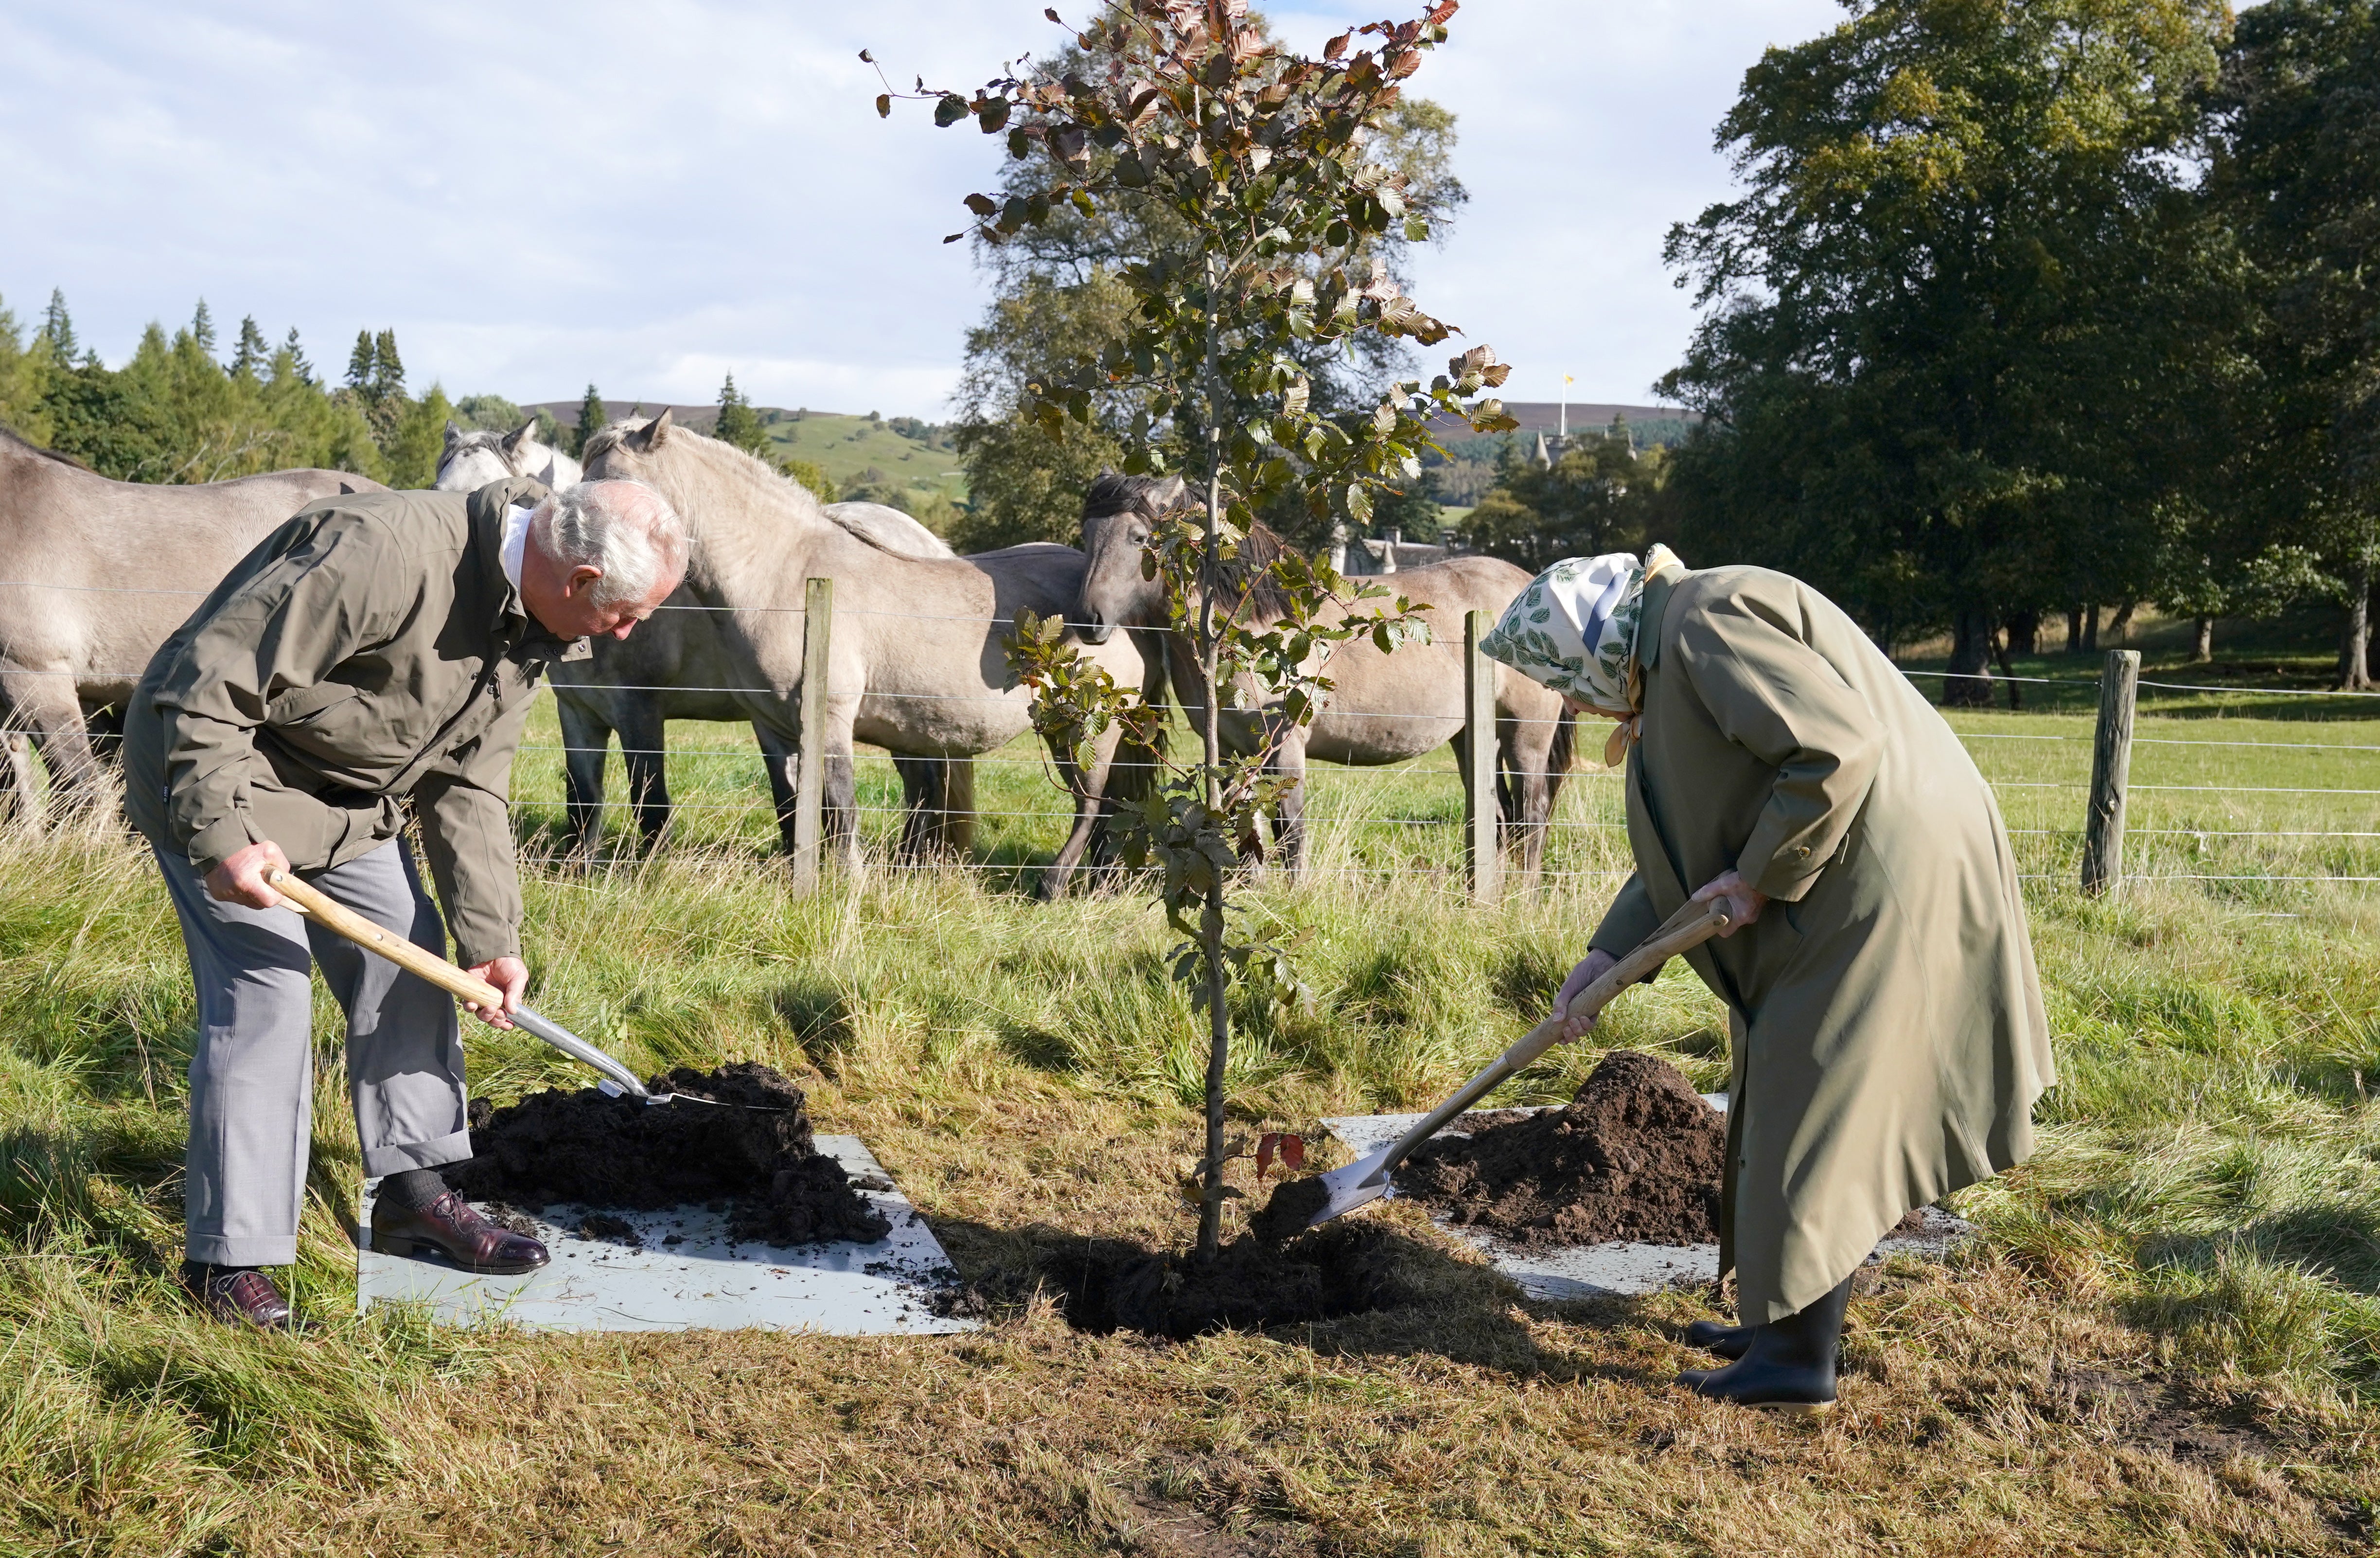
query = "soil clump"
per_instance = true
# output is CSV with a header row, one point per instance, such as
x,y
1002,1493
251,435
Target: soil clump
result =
x,y
1339,1269
1293,1207
597,1151
1636,1155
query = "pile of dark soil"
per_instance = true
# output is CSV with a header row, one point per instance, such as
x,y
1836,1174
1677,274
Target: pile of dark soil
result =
x,y
594,1150
1636,1155
1339,1269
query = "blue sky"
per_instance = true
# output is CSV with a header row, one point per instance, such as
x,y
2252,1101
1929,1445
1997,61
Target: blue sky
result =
x,y
651,196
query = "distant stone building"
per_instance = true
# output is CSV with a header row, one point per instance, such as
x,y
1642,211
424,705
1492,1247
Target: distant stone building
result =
x,y
1358,556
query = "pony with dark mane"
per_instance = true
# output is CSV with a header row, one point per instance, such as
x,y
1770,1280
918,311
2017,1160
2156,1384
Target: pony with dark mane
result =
x,y
1382,707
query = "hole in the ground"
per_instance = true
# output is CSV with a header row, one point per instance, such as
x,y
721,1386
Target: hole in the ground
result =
x,y
1116,1285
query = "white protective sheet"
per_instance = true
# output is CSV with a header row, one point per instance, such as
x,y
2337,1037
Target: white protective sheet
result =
x,y
702,1282
1619,1268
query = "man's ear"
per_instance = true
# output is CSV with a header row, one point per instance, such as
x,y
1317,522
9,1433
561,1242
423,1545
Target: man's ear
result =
x,y
582,577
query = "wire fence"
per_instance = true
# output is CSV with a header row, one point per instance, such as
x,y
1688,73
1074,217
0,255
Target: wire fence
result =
x,y
2258,811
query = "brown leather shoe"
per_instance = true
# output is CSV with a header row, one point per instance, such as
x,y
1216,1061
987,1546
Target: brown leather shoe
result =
x,y
453,1227
237,1294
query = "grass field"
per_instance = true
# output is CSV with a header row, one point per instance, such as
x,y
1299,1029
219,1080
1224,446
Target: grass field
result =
x,y
2168,1341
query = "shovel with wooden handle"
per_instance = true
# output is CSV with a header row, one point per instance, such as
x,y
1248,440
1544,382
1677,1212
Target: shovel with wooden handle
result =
x,y
1366,1179
333,916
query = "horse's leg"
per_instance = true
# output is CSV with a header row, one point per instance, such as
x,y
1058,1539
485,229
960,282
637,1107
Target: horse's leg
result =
x,y
957,825
586,742
43,705
1289,813
1089,791
105,726
19,796
778,757
643,742
921,806
1521,752
838,807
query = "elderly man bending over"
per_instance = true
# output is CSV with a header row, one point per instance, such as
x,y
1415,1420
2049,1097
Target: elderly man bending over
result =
x,y
376,650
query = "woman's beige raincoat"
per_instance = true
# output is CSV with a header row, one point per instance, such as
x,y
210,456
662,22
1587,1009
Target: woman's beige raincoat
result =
x,y
1890,1037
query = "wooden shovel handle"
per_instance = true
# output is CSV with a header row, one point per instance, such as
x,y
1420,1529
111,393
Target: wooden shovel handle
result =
x,y
333,916
1690,927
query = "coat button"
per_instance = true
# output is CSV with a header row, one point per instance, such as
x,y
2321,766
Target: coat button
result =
x,y
1804,852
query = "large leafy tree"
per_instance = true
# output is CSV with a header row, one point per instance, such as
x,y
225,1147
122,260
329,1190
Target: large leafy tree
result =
x,y
1948,317
2298,170
1061,303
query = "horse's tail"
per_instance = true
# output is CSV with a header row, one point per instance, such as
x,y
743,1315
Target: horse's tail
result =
x,y
1511,781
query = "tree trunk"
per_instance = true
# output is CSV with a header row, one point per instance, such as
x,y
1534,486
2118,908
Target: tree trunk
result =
x,y
2074,630
2091,628
2122,625
1211,918
2354,669
2023,633
1969,685
2202,641
2008,672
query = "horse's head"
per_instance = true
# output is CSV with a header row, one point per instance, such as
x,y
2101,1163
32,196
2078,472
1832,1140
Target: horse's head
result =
x,y
628,451
471,460
1117,514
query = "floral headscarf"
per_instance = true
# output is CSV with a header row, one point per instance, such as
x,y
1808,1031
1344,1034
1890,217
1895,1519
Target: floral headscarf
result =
x,y
1574,630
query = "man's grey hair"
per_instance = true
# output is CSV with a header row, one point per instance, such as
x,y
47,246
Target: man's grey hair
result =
x,y
624,530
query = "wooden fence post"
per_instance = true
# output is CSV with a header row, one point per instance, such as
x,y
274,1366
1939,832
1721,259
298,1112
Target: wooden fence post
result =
x,y
2111,773
1485,865
809,764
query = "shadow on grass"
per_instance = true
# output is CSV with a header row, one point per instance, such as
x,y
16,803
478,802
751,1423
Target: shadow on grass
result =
x,y
1354,1288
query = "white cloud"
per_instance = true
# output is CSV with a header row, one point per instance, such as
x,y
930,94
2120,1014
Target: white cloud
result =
x,y
650,196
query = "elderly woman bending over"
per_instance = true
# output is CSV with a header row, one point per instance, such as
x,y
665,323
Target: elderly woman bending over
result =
x,y
1888,1034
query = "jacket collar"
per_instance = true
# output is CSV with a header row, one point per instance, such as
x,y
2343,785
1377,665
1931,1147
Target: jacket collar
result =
x,y
487,508
1648,621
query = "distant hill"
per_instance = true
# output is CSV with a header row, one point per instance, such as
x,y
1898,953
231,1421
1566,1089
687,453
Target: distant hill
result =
x,y
901,451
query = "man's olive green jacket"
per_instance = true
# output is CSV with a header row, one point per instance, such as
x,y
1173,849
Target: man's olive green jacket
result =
x,y
1889,1035
371,652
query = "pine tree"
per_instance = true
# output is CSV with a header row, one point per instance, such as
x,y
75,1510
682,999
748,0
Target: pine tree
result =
x,y
57,328
253,356
203,328
739,423
388,370
289,344
360,361
590,422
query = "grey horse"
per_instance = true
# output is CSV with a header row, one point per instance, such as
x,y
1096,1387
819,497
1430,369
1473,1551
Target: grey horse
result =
x,y
471,460
674,667
920,661
94,575
669,669
1382,709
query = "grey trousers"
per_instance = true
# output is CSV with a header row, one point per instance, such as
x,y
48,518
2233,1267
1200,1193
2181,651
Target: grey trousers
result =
x,y
252,1077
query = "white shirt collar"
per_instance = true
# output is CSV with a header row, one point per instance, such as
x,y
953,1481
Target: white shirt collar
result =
x,y
516,540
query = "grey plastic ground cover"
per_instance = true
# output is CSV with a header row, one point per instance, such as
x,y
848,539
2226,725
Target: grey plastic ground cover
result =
x,y
1619,1268
702,1282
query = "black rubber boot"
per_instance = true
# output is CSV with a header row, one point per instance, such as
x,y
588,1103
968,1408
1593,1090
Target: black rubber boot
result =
x,y
1789,1365
1728,1341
